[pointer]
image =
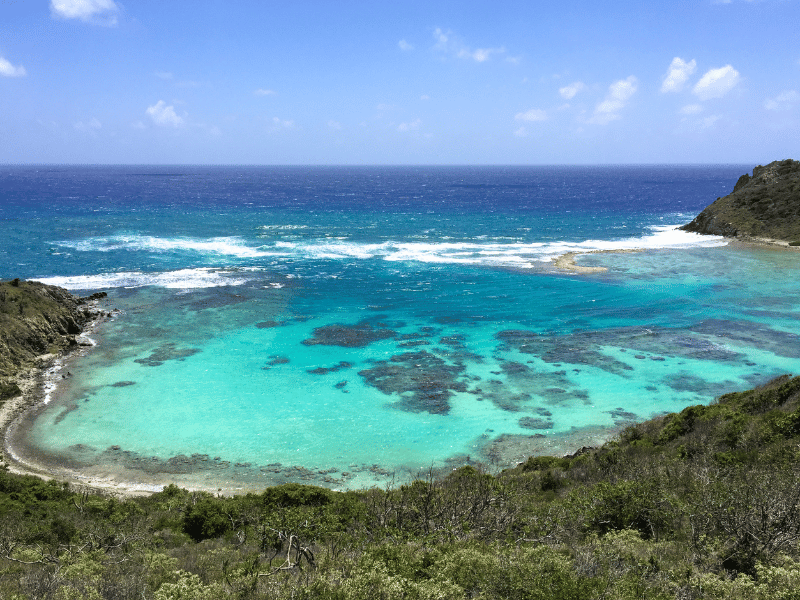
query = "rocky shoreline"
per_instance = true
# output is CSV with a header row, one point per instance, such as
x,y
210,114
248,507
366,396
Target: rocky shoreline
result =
x,y
763,208
41,328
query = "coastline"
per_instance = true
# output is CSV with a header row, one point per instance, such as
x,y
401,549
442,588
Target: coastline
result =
x,y
39,382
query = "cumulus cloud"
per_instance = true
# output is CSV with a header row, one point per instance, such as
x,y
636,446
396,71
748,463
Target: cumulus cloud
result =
x,y
532,115
446,43
618,95
98,12
709,121
570,91
783,101
716,83
677,74
264,92
412,126
691,109
405,46
9,70
282,123
91,125
164,115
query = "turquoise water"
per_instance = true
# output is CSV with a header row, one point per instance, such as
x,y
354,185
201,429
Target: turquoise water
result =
x,y
349,328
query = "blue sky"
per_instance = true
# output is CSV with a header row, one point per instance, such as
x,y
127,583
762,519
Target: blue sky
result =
x,y
351,82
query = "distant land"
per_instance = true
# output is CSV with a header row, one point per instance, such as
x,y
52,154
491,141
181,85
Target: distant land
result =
x,y
762,207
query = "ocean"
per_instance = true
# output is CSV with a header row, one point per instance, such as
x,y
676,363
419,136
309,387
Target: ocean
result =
x,y
357,326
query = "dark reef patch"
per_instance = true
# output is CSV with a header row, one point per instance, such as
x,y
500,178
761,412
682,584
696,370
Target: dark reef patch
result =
x,y
655,343
165,352
686,382
553,386
413,344
269,324
534,423
423,382
620,416
578,348
325,370
495,391
349,336
751,334
120,384
274,361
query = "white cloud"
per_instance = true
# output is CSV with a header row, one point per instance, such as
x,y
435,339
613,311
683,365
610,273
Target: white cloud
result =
x,y
9,70
521,132
479,54
677,74
709,121
412,126
424,97
282,123
165,75
334,125
405,46
618,95
716,83
782,101
570,91
447,44
691,109
532,115
264,92
98,12
164,115
92,125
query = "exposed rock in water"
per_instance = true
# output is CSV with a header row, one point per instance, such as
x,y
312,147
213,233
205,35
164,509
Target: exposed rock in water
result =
x,y
764,205
36,320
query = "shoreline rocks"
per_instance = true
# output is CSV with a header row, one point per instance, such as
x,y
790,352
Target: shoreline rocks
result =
x,y
764,206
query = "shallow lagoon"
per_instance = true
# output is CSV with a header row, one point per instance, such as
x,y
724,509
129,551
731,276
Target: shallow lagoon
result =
x,y
236,387
300,332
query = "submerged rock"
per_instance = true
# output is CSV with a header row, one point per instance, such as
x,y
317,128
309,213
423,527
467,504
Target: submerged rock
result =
x,y
349,336
424,382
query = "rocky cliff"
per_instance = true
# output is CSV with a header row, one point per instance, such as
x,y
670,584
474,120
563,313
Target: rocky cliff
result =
x,y
764,205
36,320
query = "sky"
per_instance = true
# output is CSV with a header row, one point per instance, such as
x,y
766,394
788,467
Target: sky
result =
x,y
409,82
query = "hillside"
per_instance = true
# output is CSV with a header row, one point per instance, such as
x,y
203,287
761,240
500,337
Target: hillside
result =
x,y
764,205
36,320
704,503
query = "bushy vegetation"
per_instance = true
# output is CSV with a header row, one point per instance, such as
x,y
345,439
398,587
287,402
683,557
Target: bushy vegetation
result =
x,y
704,503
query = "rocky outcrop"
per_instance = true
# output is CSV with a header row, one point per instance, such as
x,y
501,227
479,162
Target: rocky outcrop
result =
x,y
37,320
764,205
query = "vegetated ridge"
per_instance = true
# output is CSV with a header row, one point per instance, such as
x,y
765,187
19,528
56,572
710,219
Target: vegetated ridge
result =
x,y
37,321
765,205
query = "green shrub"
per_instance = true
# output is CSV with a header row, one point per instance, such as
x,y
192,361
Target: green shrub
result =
x,y
206,519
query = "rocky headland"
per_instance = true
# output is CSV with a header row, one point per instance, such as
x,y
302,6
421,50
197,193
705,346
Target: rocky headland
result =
x,y
38,323
764,206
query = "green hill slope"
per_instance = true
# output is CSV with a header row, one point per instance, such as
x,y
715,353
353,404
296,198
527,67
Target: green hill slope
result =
x,y
764,205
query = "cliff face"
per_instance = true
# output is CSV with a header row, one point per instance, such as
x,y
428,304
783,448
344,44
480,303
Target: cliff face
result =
x,y
764,205
37,319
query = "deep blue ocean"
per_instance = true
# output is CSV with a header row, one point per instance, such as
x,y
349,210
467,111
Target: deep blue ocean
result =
x,y
352,326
